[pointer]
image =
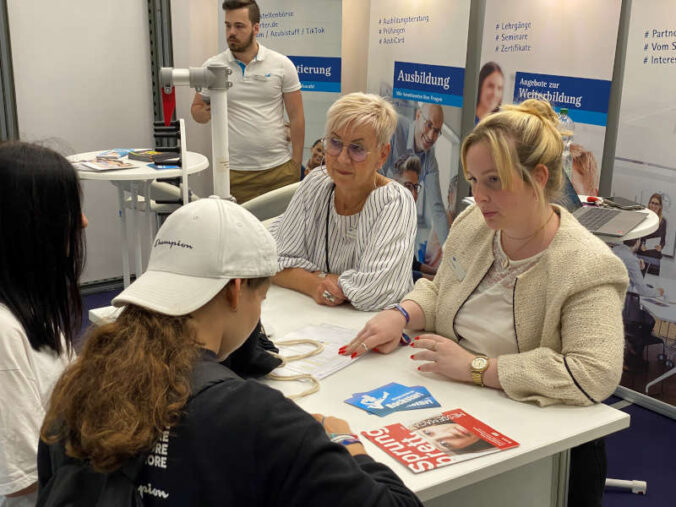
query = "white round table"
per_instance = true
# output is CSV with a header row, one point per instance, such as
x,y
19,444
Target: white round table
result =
x,y
650,224
194,162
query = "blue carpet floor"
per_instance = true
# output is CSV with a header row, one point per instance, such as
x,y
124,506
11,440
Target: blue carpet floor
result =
x,y
645,451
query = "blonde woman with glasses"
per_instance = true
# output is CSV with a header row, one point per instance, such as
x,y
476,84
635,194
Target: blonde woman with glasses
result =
x,y
348,233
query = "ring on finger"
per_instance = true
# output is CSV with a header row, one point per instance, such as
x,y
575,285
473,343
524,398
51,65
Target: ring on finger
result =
x,y
328,296
366,349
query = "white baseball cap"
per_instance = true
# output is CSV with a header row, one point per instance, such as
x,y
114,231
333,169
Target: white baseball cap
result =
x,y
197,251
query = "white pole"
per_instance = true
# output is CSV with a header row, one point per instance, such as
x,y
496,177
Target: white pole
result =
x,y
219,142
215,79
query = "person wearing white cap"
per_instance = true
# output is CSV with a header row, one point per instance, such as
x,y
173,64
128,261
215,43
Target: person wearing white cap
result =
x,y
148,405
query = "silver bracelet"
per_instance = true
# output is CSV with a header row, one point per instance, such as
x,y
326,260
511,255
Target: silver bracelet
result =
x,y
339,437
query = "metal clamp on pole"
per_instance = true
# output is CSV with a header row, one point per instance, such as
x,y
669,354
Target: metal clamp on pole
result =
x,y
215,79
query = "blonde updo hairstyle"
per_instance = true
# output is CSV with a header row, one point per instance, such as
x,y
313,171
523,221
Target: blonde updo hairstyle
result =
x,y
362,109
520,137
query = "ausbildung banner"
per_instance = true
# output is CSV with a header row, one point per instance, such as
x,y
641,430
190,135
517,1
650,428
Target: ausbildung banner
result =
x,y
417,54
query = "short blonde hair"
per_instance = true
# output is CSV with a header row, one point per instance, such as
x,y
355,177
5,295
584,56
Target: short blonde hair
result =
x,y
520,137
363,109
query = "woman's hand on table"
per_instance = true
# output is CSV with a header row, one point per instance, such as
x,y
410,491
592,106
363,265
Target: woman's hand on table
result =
x,y
381,333
328,292
443,356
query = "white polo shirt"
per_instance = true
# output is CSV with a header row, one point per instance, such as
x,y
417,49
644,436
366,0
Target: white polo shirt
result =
x,y
256,134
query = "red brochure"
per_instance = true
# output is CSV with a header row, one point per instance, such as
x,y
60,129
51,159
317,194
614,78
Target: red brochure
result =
x,y
440,440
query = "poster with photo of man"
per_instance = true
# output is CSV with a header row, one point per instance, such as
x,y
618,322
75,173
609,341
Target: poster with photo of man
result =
x,y
417,56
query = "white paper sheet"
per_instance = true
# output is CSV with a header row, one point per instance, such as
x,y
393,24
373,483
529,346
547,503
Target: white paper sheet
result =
x,y
324,364
651,243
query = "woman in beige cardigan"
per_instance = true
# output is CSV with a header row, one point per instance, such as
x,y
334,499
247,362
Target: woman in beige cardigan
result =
x,y
526,300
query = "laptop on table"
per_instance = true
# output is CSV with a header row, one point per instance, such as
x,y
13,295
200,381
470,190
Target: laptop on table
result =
x,y
600,221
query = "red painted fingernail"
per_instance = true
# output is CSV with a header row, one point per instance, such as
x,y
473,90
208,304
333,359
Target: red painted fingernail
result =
x,y
341,349
354,354
376,349
412,356
412,344
419,367
417,338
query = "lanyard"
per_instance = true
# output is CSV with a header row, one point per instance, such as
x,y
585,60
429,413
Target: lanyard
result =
x,y
326,232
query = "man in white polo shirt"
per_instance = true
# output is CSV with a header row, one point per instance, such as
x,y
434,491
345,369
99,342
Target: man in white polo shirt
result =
x,y
264,83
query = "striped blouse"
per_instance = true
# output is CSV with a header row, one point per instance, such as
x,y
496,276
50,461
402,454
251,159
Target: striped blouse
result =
x,y
371,251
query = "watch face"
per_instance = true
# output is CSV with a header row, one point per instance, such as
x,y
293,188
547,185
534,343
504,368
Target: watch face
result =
x,y
479,363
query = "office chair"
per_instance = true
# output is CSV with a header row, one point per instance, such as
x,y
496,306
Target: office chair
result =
x,y
273,203
638,326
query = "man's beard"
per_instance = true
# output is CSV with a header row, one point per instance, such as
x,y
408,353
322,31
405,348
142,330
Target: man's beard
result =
x,y
236,47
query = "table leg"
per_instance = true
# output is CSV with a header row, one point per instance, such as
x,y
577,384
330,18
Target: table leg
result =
x,y
123,236
560,478
137,229
149,212
659,379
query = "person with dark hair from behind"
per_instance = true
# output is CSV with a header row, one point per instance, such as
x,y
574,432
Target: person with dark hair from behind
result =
x,y
147,391
41,257
407,173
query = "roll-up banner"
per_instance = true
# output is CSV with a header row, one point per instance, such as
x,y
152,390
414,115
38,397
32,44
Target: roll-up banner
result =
x,y
417,54
311,38
559,51
645,172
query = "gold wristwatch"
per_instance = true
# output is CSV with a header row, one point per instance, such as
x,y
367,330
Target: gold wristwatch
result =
x,y
478,366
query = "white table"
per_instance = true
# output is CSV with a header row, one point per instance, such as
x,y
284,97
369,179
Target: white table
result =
x,y
194,162
648,225
535,473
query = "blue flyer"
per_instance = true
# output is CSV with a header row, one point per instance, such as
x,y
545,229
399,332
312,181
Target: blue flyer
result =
x,y
391,398
427,401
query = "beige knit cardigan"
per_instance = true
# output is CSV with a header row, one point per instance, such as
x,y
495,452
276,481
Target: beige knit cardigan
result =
x,y
567,310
